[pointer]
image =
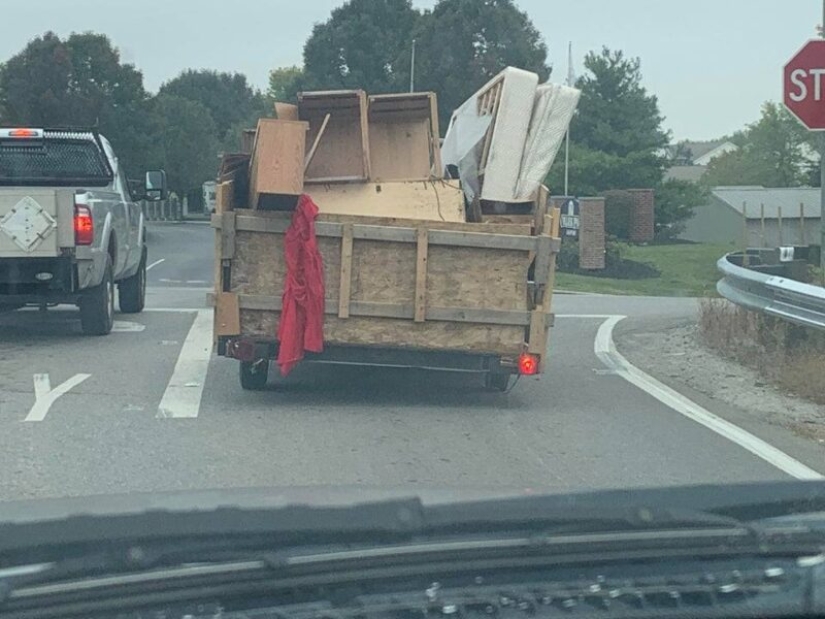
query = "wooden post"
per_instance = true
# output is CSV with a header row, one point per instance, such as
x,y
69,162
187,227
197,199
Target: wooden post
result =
x,y
318,137
802,240
421,276
345,287
762,220
779,219
745,260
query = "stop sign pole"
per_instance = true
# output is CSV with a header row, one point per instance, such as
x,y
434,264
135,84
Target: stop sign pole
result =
x,y
804,97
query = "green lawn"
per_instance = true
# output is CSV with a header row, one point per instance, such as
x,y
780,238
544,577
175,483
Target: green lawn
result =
x,y
686,271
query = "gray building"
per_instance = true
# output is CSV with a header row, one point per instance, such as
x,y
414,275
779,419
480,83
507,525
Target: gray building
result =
x,y
774,217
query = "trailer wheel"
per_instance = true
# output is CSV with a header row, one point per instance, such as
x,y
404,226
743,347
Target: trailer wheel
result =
x,y
254,375
497,381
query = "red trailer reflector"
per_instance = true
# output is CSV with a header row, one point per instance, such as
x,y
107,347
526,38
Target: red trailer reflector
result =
x,y
528,365
84,226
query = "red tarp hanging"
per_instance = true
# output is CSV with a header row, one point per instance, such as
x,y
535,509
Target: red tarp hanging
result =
x,y
301,327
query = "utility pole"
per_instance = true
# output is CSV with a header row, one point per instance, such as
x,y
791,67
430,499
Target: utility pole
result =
x,y
412,67
822,177
570,81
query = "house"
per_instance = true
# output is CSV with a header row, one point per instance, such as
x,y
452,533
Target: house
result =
x,y
765,217
691,159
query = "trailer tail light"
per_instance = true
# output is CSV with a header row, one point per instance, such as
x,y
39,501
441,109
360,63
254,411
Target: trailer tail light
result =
x,y
528,365
84,227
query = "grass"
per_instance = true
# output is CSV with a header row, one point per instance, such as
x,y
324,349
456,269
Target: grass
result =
x,y
687,270
788,356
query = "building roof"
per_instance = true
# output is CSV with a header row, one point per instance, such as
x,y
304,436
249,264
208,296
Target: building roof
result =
x,y
753,197
692,173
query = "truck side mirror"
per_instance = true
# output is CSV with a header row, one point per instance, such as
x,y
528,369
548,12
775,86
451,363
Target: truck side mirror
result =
x,y
137,190
155,185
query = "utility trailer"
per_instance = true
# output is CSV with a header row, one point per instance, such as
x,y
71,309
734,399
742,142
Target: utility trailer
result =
x,y
403,293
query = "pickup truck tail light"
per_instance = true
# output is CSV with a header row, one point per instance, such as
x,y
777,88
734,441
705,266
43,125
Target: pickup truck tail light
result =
x,y
528,365
84,227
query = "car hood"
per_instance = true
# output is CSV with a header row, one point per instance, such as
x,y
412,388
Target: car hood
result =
x,y
722,497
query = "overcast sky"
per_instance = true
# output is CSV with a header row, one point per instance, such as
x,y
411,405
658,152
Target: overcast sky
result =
x,y
712,63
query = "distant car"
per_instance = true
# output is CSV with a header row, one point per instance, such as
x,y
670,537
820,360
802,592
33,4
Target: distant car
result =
x,y
70,228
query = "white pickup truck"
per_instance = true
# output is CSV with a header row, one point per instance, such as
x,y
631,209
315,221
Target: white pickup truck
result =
x,y
70,229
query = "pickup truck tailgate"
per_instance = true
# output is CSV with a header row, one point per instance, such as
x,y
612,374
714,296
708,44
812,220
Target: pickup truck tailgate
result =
x,y
35,222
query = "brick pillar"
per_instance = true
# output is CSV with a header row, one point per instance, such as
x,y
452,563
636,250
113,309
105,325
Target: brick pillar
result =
x,y
642,217
591,234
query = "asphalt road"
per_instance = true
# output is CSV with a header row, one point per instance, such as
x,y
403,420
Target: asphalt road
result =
x,y
150,408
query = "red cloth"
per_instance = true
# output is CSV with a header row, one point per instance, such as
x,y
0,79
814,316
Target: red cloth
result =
x,y
301,327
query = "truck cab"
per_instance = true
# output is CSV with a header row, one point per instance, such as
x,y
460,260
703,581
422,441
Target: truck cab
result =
x,y
70,228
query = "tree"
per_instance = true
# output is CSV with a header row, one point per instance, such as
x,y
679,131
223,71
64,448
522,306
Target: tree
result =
x,y
186,134
364,44
78,82
227,96
462,44
775,151
616,135
675,202
285,83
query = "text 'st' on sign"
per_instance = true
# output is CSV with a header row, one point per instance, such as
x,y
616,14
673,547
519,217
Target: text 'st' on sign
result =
x,y
804,89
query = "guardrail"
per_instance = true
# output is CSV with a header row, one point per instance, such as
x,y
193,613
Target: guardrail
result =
x,y
771,294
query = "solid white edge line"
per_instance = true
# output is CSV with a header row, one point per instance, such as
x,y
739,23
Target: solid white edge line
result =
x,y
155,263
182,398
605,350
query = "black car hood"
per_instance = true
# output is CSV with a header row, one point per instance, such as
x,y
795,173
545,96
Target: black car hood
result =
x,y
705,497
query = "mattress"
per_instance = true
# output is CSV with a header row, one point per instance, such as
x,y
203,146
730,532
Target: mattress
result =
x,y
552,113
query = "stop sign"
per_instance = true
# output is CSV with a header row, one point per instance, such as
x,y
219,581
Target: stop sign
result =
x,y
804,90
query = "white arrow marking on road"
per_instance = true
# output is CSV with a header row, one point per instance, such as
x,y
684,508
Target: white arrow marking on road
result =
x,y
155,263
45,396
605,350
182,398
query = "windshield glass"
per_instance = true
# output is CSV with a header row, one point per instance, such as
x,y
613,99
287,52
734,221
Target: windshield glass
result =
x,y
332,251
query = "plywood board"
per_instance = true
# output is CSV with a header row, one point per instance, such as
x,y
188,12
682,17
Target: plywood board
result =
x,y
286,111
343,153
400,149
392,333
429,201
278,161
227,314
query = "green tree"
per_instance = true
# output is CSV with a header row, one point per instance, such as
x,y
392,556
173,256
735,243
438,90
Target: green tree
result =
x,y
675,201
285,83
186,135
79,82
462,44
774,152
616,135
364,44
228,97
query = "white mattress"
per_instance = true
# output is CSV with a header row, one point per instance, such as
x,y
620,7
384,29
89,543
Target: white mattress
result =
x,y
509,134
552,113
529,128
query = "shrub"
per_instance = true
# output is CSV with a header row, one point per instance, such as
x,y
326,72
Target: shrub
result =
x,y
618,209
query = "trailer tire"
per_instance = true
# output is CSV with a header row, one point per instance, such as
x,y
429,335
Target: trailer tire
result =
x,y
497,381
254,375
97,306
132,291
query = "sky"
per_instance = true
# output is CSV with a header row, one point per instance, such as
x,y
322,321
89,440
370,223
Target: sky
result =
x,y
711,63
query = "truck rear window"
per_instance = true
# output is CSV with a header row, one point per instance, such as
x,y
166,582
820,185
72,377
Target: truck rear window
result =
x,y
51,161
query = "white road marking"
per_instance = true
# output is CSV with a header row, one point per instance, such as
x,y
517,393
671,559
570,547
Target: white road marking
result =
x,y
123,326
155,263
182,398
605,350
45,396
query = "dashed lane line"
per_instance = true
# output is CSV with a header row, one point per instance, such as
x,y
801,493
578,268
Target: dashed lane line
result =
x,y
182,398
